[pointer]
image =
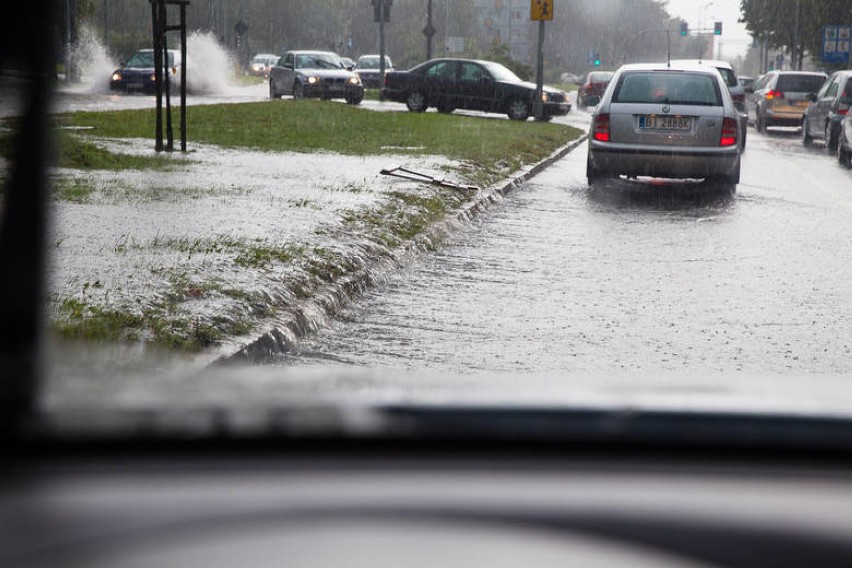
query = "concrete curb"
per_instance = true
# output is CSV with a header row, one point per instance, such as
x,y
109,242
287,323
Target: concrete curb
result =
x,y
281,334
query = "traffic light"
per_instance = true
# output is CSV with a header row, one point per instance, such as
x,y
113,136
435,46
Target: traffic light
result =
x,y
684,29
597,60
717,28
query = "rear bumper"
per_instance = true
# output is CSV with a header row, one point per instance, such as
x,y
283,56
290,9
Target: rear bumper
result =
x,y
784,117
658,161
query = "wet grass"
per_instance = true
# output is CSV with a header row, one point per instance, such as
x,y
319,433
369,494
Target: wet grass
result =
x,y
74,150
310,126
73,190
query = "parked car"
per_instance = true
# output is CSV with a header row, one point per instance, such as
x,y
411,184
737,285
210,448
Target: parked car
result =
x,y
569,78
660,121
826,109
450,84
319,74
738,94
592,88
367,67
746,82
261,63
844,142
137,74
781,97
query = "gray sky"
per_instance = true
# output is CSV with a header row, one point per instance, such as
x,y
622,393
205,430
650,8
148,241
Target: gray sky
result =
x,y
734,40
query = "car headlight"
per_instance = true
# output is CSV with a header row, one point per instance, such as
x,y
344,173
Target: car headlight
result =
x,y
545,97
313,80
153,76
116,76
356,80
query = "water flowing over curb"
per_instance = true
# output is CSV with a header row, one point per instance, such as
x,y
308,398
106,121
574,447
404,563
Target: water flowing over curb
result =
x,y
281,334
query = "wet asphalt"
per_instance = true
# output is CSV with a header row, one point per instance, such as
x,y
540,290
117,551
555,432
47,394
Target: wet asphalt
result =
x,y
626,277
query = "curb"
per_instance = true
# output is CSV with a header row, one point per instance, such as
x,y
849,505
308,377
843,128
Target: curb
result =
x,y
281,334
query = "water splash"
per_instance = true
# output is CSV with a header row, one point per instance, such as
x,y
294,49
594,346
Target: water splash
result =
x,y
94,62
210,68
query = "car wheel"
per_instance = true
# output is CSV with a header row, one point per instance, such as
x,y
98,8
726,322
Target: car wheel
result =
x,y
830,138
354,99
446,108
844,157
807,139
519,109
273,94
416,101
743,136
298,91
731,179
761,123
592,174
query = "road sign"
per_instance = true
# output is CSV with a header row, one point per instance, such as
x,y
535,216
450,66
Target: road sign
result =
x,y
835,44
541,10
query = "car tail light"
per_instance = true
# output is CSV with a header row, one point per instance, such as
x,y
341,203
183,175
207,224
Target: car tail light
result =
x,y
601,129
730,129
774,95
842,108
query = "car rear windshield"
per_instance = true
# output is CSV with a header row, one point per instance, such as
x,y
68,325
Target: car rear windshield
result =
x,y
800,83
728,75
600,77
668,87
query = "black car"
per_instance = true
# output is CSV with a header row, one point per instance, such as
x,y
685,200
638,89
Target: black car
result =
x,y
828,107
137,75
367,67
450,84
319,74
844,142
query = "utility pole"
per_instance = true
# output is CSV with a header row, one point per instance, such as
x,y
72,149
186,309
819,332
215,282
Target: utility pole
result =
x,y
541,11
429,30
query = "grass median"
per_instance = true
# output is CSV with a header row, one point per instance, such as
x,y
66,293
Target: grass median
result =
x,y
199,302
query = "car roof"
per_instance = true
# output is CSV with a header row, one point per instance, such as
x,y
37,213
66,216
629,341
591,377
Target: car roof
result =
x,y
711,62
682,66
790,72
307,51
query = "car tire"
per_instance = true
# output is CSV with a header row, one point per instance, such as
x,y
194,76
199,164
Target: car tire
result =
x,y
744,135
761,123
731,179
830,138
593,175
273,94
844,157
807,139
354,99
518,109
298,91
446,108
416,101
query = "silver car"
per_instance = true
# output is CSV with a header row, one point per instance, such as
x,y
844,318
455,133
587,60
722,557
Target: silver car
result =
x,y
661,121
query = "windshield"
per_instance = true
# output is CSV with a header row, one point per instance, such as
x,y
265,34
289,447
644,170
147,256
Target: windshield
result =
x,y
371,63
501,73
669,88
799,83
145,60
437,239
318,61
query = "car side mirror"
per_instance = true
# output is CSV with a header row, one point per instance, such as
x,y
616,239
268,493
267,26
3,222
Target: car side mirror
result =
x,y
485,80
288,66
812,97
350,67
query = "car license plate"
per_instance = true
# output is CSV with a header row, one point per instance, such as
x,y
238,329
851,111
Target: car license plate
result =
x,y
654,122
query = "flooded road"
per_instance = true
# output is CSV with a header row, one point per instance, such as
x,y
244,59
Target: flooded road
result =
x,y
627,277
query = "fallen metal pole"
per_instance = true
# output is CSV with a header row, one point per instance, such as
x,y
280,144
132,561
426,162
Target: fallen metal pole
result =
x,y
403,173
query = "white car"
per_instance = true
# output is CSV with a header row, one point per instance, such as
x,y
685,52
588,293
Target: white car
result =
x,y
673,121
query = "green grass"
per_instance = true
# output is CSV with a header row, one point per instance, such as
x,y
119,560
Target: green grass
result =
x,y
73,150
311,126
